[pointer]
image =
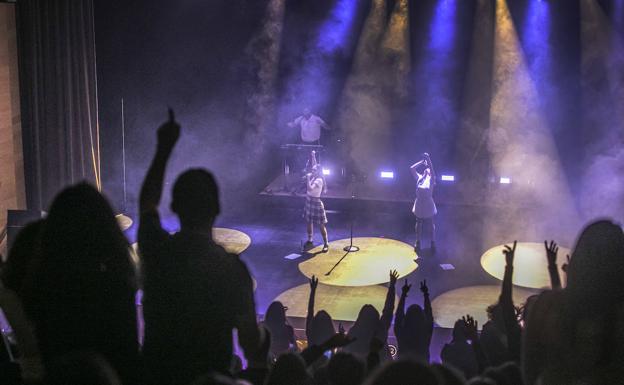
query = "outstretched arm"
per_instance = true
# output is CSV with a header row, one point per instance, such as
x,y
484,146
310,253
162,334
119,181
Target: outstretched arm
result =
x,y
551,256
400,311
428,310
151,235
310,315
324,125
151,190
512,328
414,169
386,314
472,334
294,122
428,159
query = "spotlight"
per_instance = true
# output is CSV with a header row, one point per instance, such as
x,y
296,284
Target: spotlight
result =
x,y
326,171
504,180
387,174
448,178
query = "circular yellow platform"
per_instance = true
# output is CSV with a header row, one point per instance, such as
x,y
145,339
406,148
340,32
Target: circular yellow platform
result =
x,y
341,302
530,264
234,241
473,300
369,266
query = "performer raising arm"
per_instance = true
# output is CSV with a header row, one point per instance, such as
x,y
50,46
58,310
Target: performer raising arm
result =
x,y
314,210
424,208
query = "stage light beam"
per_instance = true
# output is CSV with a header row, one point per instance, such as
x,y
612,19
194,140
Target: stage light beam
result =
x,y
375,84
540,202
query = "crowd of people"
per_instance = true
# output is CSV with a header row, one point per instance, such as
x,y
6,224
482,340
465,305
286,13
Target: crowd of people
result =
x,y
68,290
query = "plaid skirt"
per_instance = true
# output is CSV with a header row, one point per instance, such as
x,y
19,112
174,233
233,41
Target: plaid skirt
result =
x,y
314,211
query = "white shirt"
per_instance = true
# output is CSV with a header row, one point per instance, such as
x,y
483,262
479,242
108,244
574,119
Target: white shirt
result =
x,y
310,128
315,188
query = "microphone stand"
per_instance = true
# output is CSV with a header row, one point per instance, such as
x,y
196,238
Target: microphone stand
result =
x,y
351,248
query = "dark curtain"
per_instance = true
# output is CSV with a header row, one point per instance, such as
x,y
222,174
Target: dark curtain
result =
x,y
58,96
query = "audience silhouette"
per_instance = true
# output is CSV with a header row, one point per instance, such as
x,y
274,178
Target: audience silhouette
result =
x,y
84,284
195,293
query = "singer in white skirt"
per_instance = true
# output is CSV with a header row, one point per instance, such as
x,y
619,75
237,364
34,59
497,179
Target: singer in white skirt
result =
x,y
424,208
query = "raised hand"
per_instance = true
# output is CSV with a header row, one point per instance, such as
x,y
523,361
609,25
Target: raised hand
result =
x,y
509,253
168,133
313,283
564,267
394,276
423,287
551,252
406,288
471,326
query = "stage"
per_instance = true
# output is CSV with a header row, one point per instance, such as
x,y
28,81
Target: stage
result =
x,y
270,239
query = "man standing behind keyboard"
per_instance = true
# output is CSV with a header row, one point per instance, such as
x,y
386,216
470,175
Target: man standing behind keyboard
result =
x,y
310,126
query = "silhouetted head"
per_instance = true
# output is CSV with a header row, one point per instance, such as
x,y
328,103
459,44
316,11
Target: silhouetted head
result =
x,y
414,317
495,314
597,267
321,329
459,331
367,317
403,372
307,113
526,308
345,369
25,253
363,330
289,369
365,323
275,314
195,198
82,234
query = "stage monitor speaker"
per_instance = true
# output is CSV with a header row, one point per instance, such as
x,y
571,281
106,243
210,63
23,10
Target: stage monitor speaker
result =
x,y
16,220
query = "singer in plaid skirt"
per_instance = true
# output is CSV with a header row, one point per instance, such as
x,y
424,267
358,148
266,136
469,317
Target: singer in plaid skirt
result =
x,y
314,210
